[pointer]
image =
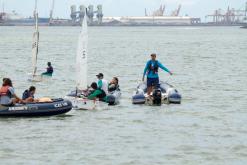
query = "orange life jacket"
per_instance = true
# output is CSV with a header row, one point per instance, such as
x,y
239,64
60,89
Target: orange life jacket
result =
x,y
4,91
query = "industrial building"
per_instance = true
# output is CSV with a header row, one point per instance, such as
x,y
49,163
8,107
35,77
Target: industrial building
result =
x,y
157,18
95,18
151,20
13,19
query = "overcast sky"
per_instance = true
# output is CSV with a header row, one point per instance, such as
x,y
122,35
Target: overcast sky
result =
x,y
195,8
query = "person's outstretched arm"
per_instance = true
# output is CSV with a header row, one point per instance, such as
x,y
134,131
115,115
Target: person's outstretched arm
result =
x,y
164,68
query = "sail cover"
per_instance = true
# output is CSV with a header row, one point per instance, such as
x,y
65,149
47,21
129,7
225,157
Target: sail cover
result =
x,y
81,59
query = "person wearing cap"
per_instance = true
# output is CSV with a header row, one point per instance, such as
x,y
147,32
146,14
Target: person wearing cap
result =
x,y
49,70
151,70
102,83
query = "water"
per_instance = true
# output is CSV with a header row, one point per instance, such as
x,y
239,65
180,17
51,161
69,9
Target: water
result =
x,y
209,66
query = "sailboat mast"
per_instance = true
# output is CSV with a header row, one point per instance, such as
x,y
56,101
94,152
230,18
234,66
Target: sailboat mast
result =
x,y
35,44
81,59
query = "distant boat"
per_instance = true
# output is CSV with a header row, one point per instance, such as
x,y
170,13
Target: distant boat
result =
x,y
244,27
244,24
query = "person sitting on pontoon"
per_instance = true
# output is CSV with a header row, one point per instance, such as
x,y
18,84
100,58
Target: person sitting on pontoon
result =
x,y
151,70
7,94
113,85
97,93
49,70
28,95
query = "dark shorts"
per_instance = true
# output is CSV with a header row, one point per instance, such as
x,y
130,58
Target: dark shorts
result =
x,y
152,82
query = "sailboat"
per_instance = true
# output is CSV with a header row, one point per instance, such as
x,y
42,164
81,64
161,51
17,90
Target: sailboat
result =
x,y
35,49
78,97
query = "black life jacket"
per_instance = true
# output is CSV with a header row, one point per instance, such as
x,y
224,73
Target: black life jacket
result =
x,y
111,89
154,68
102,95
49,70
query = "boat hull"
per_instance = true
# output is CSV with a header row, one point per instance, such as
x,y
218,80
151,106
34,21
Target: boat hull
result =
x,y
57,107
165,94
80,101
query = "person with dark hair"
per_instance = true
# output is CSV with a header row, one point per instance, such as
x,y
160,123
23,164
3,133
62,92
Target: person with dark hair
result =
x,y
7,94
97,93
28,95
151,70
49,70
113,85
4,79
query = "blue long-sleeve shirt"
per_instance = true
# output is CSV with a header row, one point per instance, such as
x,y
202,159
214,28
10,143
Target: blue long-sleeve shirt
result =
x,y
151,73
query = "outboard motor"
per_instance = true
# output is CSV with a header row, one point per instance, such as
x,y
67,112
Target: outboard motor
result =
x,y
157,97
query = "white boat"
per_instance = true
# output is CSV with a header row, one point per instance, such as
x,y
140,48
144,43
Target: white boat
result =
x,y
35,49
78,97
80,102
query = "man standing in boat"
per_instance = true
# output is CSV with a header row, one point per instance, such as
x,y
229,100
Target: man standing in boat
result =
x,y
151,70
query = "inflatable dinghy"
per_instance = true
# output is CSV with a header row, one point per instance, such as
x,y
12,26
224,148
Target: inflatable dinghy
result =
x,y
164,94
55,107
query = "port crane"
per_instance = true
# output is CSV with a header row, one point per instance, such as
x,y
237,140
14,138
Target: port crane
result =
x,y
160,11
176,12
230,16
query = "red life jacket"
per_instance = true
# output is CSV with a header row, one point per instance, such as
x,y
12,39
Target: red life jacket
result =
x,y
4,91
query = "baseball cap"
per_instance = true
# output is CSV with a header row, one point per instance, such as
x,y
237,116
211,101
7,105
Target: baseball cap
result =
x,y
100,75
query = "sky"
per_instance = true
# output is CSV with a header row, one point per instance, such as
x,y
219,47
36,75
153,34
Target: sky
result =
x,y
194,8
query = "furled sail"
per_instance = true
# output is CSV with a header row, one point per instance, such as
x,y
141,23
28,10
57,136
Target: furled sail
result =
x,y
81,59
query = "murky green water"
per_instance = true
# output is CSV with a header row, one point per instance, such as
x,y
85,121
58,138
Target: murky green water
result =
x,y
209,127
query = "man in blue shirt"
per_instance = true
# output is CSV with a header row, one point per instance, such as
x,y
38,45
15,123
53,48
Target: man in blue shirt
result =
x,y
151,70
